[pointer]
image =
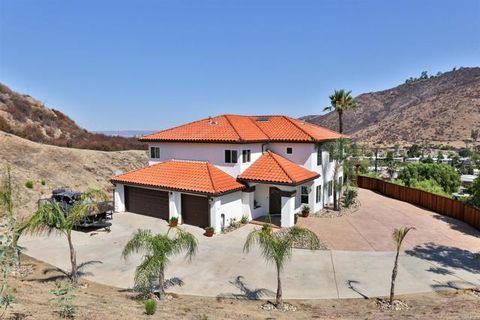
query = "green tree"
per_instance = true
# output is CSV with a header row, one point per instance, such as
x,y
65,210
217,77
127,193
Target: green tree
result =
x,y
340,102
277,248
474,191
158,249
474,135
338,152
442,174
414,151
50,218
398,237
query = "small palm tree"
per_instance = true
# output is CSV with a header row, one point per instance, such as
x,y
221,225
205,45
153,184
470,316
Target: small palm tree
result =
x,y
158,248
277,248
341,101
51,218
398,236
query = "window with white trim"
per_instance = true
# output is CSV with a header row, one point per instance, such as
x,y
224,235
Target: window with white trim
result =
x,y
304,194
246,156
155,152
231,156
319,155
289,150
330,188
318,194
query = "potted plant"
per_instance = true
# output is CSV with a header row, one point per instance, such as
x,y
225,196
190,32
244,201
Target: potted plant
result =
x,y
305,211
209,231
173,222
295,218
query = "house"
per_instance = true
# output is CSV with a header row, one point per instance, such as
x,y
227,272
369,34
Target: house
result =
x,y
211,171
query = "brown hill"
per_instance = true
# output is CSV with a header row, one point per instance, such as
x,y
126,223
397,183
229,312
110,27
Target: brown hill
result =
x,y
51,167
439,110
28,118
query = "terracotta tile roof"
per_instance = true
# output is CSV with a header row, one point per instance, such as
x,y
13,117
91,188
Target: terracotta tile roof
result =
x,y
271,167
239,129
182,175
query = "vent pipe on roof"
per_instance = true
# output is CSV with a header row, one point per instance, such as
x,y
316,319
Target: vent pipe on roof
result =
x,y
211,121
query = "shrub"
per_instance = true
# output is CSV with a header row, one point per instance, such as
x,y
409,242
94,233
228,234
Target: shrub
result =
x,y
64,297
305,208
444,175
150,307
43,182
244,219
209,229
29,184
474,191
349,197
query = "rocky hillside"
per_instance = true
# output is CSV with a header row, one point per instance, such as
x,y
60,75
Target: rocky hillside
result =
x,y
26,117
440,110
51,167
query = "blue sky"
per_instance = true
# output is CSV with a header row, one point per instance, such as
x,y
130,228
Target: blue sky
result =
x,y
114,65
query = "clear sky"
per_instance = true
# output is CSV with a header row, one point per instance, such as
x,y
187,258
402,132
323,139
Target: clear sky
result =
x,y
117,65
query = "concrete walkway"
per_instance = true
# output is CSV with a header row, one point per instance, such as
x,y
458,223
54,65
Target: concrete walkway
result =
x,y
220,268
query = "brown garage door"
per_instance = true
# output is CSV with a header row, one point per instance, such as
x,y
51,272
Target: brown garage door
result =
x,y
148,202
195,210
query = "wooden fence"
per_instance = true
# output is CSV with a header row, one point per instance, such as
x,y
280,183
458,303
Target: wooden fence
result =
x,y
439,204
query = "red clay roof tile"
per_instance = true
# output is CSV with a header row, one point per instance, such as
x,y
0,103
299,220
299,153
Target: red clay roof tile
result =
x,y
271,167
237,128
183,175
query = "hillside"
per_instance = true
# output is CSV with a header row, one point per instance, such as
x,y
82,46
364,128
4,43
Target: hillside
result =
x,y
60,167
439,110
26,117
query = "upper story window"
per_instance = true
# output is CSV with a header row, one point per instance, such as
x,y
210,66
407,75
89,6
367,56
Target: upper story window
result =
x,y
319,155
231,156
330,188
289,150
155,152
304,194
246,156
318,194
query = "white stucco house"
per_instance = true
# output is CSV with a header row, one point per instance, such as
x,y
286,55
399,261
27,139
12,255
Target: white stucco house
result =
x,y
213,170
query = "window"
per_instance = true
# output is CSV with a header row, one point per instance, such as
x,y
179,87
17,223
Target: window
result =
x,y
319,155
330,159
304,194
289,150
340,181
155,152
330,188
246,156
231,156
318,194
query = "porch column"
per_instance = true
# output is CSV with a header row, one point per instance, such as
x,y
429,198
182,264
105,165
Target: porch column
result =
x,y
214,218
248,196
288,209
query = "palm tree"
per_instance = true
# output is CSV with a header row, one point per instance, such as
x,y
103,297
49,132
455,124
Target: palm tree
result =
x,y
158,248
277,248
398,236
51,218
341,101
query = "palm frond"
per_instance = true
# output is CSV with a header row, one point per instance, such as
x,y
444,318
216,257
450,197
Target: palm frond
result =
x,y
400,234
185,241
47,219
141,240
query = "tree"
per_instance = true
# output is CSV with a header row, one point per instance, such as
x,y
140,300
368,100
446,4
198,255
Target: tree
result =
x,y
277,248
414,151
158,248
474,135
474,191
444,175
341,101
51,218
338,153
398,236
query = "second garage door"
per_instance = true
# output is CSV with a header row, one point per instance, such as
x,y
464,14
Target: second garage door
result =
x,y
148,202
195,210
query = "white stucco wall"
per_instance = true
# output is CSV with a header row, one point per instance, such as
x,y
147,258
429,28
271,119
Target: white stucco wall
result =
x,y
230,205
119,198
175,205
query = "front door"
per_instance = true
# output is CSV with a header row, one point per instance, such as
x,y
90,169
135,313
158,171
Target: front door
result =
x,y
275,202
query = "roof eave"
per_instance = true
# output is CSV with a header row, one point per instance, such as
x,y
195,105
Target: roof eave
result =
x,y
293,183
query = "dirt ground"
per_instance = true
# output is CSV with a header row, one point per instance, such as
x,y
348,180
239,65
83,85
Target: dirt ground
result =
x,y
95,301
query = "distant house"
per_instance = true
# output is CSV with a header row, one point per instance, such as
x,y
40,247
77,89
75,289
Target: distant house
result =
x,y
214,170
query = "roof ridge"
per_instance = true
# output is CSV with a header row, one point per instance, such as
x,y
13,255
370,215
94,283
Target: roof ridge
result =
x,y
233,127
135,170
180,125
210,177
281,167
298,126
256,125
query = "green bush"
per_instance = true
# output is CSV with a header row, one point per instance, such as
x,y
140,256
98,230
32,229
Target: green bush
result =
x,y
150,307
29,184
244,219
64,297
474,191
444,175
43,182
349,196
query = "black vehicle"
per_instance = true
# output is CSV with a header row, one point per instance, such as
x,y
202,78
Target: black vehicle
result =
x,y
66,199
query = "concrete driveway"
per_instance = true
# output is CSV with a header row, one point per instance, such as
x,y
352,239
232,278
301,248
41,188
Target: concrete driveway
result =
x,y
370,228
220,267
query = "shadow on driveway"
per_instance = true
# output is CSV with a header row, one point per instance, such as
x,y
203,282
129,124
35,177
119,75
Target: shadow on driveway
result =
x,y
246,293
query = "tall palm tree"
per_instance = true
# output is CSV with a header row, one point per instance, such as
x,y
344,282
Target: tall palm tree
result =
x,y
341,101
277,248
398,236
158,248
51,218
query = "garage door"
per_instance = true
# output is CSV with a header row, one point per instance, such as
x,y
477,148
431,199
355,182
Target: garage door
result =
x,y
195,210
148,202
